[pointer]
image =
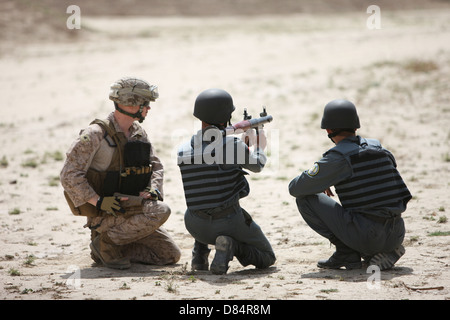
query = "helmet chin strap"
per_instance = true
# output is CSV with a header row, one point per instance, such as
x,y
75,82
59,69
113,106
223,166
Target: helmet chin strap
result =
x,y
222,126
335,133
137,115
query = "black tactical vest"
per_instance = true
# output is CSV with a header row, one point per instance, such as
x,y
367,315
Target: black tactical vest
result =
x,y
129,171
210,185
375,182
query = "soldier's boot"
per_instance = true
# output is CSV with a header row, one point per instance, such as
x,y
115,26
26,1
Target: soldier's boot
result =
x,y
200,255
225,247
95,234
387,260
342,257
109,253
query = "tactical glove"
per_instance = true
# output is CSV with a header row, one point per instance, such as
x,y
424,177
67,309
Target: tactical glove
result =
x,y
155,194
110,204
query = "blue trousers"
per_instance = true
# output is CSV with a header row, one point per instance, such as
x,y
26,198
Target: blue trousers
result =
x,y
357,231
253,248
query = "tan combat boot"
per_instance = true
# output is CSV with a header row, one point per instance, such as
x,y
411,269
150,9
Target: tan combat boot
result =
x,y
109,253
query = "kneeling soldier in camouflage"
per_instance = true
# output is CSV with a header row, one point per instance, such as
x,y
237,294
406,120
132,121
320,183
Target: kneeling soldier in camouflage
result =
x,y
213,179
113,177
367,223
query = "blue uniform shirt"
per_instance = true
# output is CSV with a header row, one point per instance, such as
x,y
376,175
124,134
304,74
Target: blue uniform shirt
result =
x,y
364,175
328,171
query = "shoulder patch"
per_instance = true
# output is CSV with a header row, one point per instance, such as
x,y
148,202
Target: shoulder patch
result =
x,y
314,170
91,133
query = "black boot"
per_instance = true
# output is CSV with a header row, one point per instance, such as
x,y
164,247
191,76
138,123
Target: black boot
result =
x,y
343,257
200,255
387,260
225,247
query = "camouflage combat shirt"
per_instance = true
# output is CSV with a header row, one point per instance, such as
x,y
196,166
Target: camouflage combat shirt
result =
x,y
91,150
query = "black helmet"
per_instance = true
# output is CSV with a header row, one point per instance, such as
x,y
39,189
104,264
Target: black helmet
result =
x,y
339,114
214,106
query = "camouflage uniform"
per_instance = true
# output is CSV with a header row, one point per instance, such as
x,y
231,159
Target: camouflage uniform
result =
x,y
139,235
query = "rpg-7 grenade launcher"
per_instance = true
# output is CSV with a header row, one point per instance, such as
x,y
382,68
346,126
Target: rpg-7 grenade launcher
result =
x,y
248,123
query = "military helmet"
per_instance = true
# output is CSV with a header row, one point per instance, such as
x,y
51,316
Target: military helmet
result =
x,y
214,106
340,114
130,91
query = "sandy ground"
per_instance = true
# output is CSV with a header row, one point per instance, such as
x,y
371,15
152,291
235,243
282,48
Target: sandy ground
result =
x,y
398,77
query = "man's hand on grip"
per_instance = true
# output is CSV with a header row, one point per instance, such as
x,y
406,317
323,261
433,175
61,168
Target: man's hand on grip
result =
x,y
251,138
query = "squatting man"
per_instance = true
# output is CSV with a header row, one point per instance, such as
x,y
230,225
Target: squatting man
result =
x,y
113,177
367,223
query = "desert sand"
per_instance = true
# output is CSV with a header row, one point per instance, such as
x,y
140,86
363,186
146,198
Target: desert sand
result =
x,y
54,81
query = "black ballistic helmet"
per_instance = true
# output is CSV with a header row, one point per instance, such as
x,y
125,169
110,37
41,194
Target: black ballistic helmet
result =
x,y
339,114
214,106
